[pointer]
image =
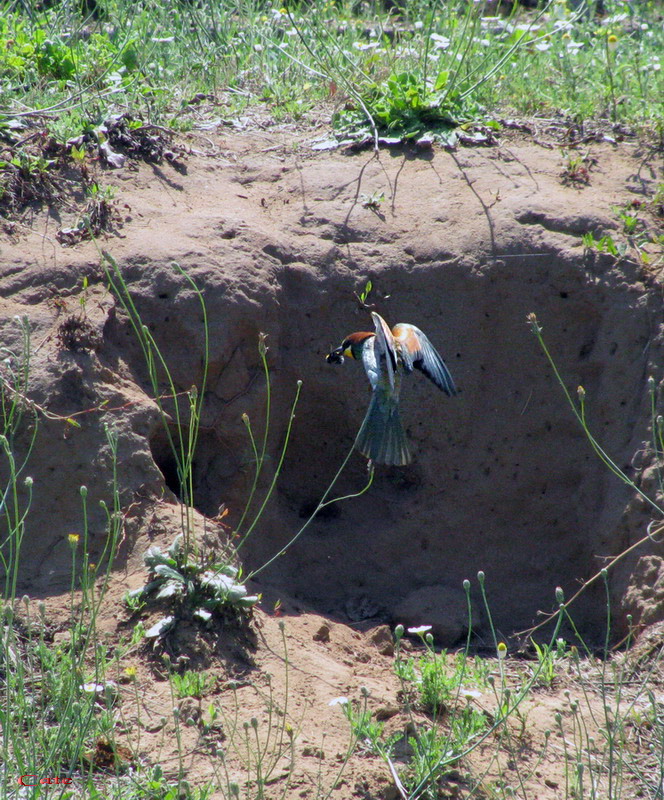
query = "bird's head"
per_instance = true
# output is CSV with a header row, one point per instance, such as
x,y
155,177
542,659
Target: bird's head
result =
x,y
351,347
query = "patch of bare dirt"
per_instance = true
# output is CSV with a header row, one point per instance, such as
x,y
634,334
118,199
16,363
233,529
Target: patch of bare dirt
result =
x,y
37,171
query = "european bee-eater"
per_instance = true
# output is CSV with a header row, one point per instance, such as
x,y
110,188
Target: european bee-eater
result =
x,y
387,355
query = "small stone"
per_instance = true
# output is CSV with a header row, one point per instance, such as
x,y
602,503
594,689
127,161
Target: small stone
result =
x,y
382,638
322,634
313,752
153,727
386,712
424,143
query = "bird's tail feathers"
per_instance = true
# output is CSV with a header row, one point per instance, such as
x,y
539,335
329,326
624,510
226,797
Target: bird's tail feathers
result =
x,y
382,437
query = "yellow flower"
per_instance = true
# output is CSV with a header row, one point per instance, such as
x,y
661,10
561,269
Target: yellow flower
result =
x,y
612,41
502,650
73,538
130,672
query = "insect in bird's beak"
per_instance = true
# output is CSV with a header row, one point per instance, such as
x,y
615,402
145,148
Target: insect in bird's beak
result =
x,y
336,356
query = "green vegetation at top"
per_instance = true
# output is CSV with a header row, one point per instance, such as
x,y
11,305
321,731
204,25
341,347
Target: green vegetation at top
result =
x,y
422,67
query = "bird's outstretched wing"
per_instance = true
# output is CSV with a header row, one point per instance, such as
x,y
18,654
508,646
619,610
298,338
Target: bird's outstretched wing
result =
x,y
418,352
385,345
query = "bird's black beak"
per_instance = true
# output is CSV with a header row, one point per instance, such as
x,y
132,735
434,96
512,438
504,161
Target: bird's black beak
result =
x,y
336,356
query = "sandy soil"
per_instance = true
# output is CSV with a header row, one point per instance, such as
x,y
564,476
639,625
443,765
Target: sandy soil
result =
x,y
278,237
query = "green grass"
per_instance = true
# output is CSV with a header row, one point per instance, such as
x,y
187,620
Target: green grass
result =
x,y
437,64
445,72
56,701
478,720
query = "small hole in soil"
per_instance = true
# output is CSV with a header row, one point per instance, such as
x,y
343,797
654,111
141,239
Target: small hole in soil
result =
x,y
211,466
164,458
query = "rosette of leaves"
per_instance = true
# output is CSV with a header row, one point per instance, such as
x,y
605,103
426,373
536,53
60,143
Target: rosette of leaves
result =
x,y
177,578
404,107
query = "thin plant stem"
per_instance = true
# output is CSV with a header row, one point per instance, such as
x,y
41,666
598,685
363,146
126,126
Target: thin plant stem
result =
x,y
277,471
322,503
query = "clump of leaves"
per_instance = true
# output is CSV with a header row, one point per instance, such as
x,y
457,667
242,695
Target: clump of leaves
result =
x,y
26,178
77,334
657,202
404,102
191,683
372,201
548,658
187,582
405,107
34,56
576,171
363,297
124,135
604,244
440,680
98,216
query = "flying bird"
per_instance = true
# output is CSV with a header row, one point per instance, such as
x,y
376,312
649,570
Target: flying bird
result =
x,y
387,355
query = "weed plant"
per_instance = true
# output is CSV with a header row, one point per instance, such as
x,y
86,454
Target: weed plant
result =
x,y
186,574
469,718
57,702
186,407
14,378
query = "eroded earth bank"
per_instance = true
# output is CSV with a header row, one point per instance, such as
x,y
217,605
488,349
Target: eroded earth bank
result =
x,y
278,238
